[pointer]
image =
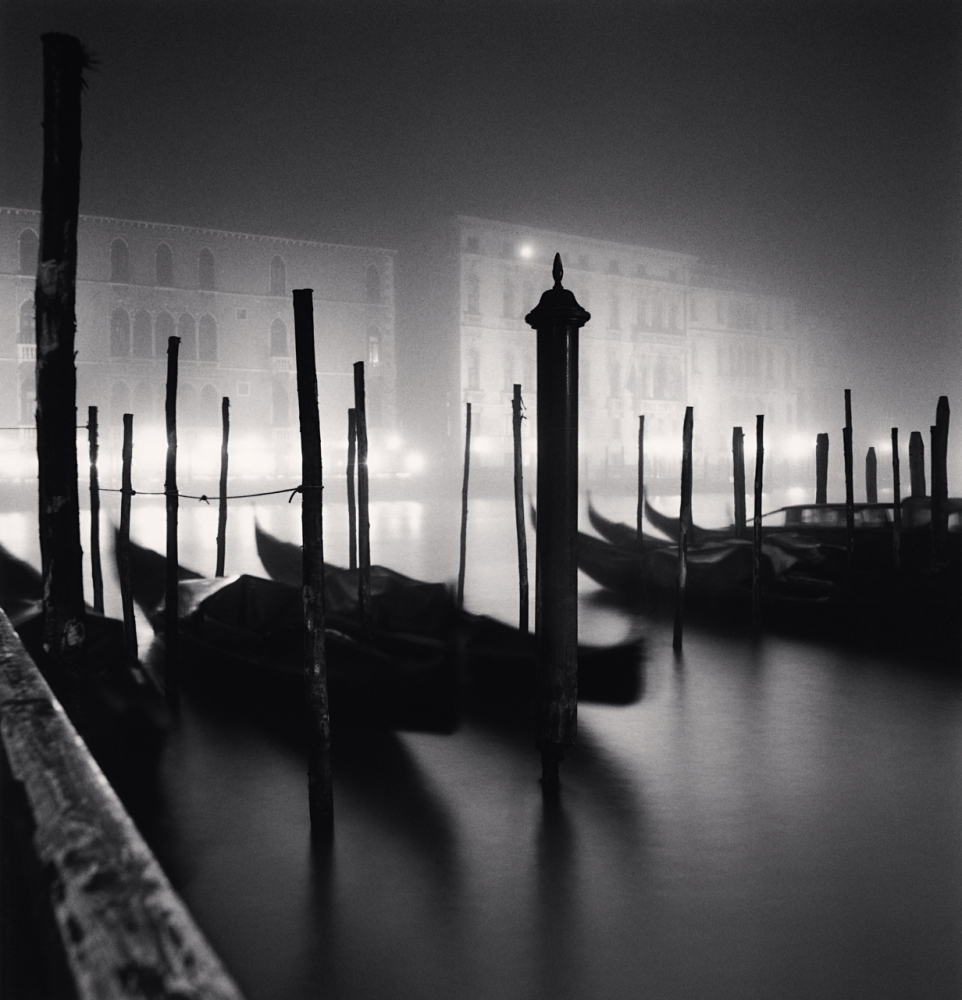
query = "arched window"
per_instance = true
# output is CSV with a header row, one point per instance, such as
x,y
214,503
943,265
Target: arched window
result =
x,y
144,401
165,266
187,331
374,345
205,270
119,334
27,332
507,301
208,407
474,293
279,339
119,262
28,400
373,284
280,409
278,277
187,404
119,403
163,331
207,339
143,337
29,252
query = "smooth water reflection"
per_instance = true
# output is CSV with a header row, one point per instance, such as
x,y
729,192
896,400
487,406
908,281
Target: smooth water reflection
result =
x,y
773,819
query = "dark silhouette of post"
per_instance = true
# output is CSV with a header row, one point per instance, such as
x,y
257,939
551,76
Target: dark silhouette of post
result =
x,y
96,569
64,618
171,637
123,542
849,479
738,475
351,498
940,481
871,477
684,528
222,504
640,513
917,464
319,785
363,503
464,504
896,502
821,469
757,526
557,318
519,511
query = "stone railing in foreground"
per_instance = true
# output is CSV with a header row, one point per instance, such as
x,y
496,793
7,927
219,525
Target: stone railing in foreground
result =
x,y
86,910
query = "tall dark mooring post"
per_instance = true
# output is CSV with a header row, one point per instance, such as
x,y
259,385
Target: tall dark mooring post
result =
x,y
64,620
738,476
849,479
821,468
557,319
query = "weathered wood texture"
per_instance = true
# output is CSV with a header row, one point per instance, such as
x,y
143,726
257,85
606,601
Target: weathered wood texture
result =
x,y
123,542
222,503
56,326
463,548
917,464
821,468
96,568
523,600
738,475
123,931
319,781
871,476
684,529
363,503
351,498
171,635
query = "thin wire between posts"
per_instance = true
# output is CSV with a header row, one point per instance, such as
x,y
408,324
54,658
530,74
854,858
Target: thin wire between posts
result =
x,y
206,499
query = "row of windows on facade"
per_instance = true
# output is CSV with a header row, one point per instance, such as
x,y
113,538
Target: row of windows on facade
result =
x,y
650,313
164,267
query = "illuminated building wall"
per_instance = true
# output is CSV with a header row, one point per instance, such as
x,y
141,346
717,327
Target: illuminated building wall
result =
x,y
665,332
228,296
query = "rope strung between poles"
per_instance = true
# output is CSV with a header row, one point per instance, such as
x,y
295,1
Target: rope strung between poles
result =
x,y
204,498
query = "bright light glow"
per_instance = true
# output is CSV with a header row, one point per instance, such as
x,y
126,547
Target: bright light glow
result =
x,y
883,447
375,461
796,494
481,445
393,442
414,462
526,251
799,446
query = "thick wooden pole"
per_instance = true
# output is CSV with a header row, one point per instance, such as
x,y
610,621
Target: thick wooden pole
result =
x,y
351,498
363,504
821,468
896,502
222,505
940,480
96,569
738,470
123,542
171,635
464,505
757,526
557,319
640,512
519,512
917,464
319,784
849,479
871,477
684,527
64,619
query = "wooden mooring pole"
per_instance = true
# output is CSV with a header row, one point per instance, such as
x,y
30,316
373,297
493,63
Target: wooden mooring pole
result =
x,y
896,502
871,477
849,479
464,504
738,476
684,527
821,469
319,783
96,569
557,319
64,618
916,464
523,601
940,482
171,636
363,503
222,504
123,542
757,526
640,513
351,498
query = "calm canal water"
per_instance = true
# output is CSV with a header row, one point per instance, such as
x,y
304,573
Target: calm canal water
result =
x,y
772,819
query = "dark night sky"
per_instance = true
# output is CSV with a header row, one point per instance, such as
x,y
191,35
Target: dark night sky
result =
x,y
816,145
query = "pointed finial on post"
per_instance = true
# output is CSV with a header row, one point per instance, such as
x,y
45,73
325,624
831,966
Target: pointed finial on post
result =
x,y
557,272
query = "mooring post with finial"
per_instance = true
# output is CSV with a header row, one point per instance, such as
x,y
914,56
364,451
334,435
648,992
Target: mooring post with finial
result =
x,y
557,319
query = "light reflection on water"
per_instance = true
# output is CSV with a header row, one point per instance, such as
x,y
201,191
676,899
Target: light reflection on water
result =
x,y
772,819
